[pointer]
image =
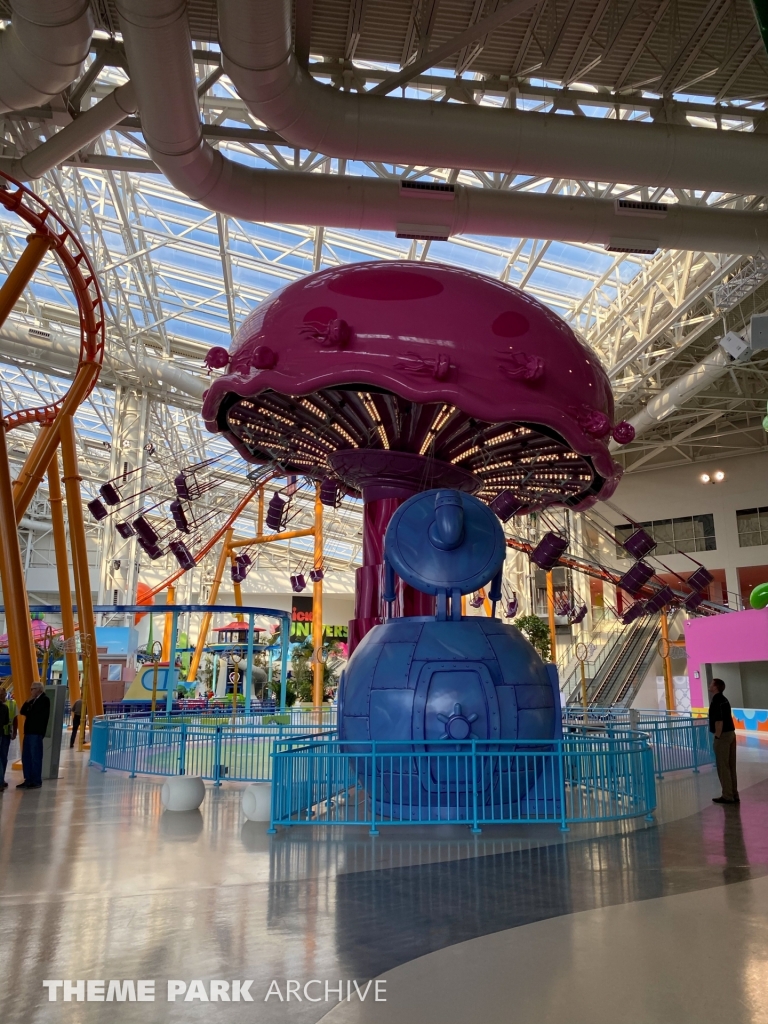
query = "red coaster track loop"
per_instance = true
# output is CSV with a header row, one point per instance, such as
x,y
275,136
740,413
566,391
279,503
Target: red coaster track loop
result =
x,y
64,242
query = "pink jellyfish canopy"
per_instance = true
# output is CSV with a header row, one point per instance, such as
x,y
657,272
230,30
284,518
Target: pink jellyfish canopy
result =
x,y
397,377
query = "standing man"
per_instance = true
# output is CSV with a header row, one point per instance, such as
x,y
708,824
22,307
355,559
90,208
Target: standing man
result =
x,y
36,711
8,729
77,711
721,725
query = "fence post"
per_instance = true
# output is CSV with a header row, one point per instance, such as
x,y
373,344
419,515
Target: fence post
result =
x,y
693,747
217,757
560,754
135,747
650,789
183,749
328,798
373,831
106,743
276,773
475,828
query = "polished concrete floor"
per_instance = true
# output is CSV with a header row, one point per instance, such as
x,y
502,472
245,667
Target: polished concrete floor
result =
x,y
664,922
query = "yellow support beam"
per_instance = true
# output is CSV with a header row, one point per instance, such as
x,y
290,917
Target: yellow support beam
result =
x,y
205,624
270,537
77,541
317,606
669,685
56,502
552,626
22,273
20,644
168,627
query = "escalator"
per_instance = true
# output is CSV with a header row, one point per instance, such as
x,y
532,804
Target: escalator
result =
x,y
620,676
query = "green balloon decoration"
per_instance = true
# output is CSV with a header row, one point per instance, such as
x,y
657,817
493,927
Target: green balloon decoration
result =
x,y
759,596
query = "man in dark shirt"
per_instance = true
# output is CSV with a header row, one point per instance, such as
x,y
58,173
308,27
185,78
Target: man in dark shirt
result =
x,y
724,731
35,711
77,711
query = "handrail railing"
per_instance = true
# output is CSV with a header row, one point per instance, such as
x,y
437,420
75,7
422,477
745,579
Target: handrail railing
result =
x,y
212,748
580,778
679,741
140,745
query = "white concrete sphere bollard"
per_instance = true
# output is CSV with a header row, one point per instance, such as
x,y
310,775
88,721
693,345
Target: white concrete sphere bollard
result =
x,y
183,793
257,801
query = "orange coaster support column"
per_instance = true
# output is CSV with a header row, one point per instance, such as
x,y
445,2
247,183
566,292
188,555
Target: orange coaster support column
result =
x,y
85,615
20,644
22,273
39,458
62,573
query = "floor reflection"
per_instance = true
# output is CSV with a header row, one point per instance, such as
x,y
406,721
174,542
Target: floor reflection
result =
x,y
97,881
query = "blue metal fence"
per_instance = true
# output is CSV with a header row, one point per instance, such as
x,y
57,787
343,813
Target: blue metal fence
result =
x,y
581,778
602,771
214,750
679,741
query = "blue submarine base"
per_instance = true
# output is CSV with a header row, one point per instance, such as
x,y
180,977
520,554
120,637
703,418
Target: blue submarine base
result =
x,y
421,688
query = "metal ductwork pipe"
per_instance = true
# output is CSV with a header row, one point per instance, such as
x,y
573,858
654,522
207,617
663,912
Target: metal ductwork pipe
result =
x,y
682,390
84,130
61,352
257,55
158,45
42,50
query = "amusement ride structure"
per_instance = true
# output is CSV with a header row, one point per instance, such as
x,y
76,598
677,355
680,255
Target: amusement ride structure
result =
x,y
367,379
358,381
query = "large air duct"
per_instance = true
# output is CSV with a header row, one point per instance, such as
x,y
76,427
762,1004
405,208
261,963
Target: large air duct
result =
x,y
80,133
158,45
42,50
686,386
257,55
61,351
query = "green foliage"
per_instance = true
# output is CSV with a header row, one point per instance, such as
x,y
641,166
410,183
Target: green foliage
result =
x,y
536,631
301,666
290,696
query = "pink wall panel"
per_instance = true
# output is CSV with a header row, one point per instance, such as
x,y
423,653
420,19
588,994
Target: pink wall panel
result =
x,y
738,636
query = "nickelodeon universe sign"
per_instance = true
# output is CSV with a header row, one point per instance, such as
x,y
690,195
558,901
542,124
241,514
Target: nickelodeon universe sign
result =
x,y
301,622
345,990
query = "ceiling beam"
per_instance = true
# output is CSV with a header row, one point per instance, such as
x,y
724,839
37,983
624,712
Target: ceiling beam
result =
x,y
674,440
441,53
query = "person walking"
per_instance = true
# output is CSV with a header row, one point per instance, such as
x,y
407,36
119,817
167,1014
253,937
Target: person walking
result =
x,y
77,710
722,727
8,728
36,712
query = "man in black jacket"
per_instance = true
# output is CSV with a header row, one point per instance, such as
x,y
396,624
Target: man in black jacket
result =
x,y
36,712
724,741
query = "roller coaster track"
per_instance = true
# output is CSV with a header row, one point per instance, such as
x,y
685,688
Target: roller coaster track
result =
x,y
66,246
